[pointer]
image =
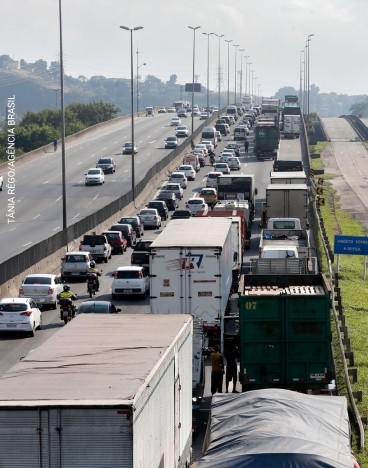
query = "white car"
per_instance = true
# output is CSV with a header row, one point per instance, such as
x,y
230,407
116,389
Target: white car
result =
x,y
175,121
196,111
201,146
203,116
211,179
245,128
233,163
216,109
171,110
180,178
95,176
231,119
20,314
209,145
162,110
42,288
150,217
188,170
130,280
196,204
219,136
227,154
221,167
182,131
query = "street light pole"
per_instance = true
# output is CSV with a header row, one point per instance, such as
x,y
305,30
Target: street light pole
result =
x,y
301,81
228,69
132,100
241,73
246,72
194,30
208,72
219,71
305,79
252,71
255,87
310,35
259,98
236,53
138,67
56,89
249,78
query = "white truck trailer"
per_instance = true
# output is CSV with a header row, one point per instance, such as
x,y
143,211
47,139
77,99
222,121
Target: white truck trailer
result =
x,y
291,127
298,177
104,391
191,270
287,201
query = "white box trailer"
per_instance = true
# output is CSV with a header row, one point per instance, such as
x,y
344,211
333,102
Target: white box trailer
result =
x,y
298,177
104,391
287,201
191,269
291,126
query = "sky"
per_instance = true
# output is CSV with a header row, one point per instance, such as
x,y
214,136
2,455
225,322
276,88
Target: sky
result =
x,y
272,32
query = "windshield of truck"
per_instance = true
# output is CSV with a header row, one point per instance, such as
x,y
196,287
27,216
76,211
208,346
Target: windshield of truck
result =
x,y
37,280
143,245
283,224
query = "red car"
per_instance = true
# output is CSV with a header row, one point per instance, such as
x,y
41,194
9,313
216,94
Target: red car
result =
x,y
117,241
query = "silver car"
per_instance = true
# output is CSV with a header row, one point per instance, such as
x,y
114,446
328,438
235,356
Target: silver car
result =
x,y
75,265
211,180
180,178
150,217
233,163
41,288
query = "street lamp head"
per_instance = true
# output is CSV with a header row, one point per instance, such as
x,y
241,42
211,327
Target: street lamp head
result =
x,y
310,35
228,41
197,27
236,45
125,27
138,27
241,50
144,64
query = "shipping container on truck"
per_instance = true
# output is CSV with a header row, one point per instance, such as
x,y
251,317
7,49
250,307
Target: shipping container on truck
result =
x,y
290,108
191,270
291,98
297,177
247,102
104,391
287,165
287,201
291,126
266,140
238,205
285,332
238,187
270,106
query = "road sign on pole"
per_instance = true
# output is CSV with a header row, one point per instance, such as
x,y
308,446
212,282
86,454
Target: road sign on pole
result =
x,y
352,245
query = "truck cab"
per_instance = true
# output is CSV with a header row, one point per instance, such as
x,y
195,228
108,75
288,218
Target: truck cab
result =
x,y
150,111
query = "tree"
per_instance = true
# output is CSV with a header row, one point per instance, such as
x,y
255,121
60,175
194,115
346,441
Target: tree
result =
x,y
150,79
54,70
172,80
3,59
360,108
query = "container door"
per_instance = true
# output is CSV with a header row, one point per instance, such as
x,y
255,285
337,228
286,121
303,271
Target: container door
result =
x,y
177,424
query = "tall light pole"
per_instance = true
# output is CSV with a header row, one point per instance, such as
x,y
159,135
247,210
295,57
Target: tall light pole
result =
x,y
194,30
305,79
208,72
236,53
252,71
138,67
56,89
246,72
259,97
310,35
241,73
219,70
301,81
228,69
255,88
249,78
62,112
132,100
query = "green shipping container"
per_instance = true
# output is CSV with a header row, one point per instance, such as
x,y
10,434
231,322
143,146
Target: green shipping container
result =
x,y
266,140
284,332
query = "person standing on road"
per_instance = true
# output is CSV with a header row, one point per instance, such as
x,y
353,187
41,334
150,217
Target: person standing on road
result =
x,y
217,374
55,144
231,353
246,145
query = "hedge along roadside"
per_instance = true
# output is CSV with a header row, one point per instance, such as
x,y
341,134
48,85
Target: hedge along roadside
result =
x,y
31,155
45,256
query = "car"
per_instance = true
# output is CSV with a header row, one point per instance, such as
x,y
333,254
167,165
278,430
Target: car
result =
x,y
182,214
227,119
95,176
221,128
20,315
209,145
170,110
203,147
227,126
188,170
231,119
161,207
175,121
201,156
180,178
135,222
127,231
233,163
235,147
226,154
170,199
42,288
204,116
218,135
182,131
130,280
97,307
107,165
196,111
150,217
162,110
175,188
75,265
189,110
221,167
246,129
171,142
196,204
216,109
209,195
246,122
117,241
182,113
127,148
211,179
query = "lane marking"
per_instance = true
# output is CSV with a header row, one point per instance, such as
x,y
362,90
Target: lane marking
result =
x,y
103,149
126,170
138,162
80,181
27,244
79,163
56,228
76,216
96,196
37,216
150,142
12,229
114,180
58,198
45,182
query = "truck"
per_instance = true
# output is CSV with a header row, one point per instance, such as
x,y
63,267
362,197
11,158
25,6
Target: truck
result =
x,y
291,126
285,332
97,245
270,107
297,177
247,102
266,140
287,165
287,201
140,254
238,188
277,428
238,205
283,223
288,238
107,390
198,371
191,270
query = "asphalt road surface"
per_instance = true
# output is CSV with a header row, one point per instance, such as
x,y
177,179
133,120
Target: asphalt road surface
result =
x,y
38,190
338,129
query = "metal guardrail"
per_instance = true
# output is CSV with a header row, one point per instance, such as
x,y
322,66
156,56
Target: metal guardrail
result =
x,y
354,408
19,263
358,126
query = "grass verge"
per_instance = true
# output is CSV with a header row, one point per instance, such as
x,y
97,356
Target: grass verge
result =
x,y
318,148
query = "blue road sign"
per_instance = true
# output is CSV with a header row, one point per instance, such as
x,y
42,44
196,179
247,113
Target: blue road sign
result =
x,y
351,245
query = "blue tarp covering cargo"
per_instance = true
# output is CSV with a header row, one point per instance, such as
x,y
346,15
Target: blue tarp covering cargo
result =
x,y
277,428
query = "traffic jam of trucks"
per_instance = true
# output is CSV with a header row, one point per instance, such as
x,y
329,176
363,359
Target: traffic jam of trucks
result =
x,y
127,390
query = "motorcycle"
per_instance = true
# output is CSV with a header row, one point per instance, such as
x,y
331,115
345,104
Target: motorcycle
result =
x,y
92,281
66,309
212,159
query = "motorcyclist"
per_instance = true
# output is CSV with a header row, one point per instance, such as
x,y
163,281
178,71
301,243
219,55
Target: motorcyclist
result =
x,y
92,269
212,156
67,294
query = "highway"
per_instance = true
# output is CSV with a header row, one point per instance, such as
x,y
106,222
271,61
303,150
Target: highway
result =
x,y
38,190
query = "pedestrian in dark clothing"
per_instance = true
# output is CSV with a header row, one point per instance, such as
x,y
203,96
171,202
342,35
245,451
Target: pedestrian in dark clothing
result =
x,y
246,145
231,353
217,374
